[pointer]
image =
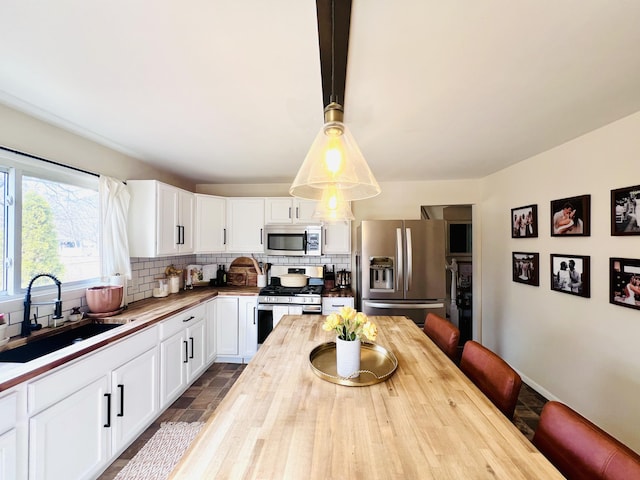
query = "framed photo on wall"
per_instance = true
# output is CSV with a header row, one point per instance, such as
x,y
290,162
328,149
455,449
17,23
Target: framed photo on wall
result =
x,y
624,282
571,216
524,221
525,266
624,220
570,274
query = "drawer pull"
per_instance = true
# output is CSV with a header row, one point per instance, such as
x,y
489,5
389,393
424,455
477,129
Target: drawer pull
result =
x,y
121,413
108,424
188,319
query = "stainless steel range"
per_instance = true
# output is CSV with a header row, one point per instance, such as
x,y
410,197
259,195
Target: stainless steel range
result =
x,y
275,300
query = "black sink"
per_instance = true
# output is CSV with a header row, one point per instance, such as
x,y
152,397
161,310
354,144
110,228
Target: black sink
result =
x,y
38,348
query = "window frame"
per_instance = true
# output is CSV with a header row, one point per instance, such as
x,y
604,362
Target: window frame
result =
x,y
19,166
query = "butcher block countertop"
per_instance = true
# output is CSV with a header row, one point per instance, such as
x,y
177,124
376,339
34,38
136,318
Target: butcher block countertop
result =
x,y
137,316
338,292
282,421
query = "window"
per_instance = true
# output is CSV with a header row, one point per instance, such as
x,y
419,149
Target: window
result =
x,y
3,230
52,226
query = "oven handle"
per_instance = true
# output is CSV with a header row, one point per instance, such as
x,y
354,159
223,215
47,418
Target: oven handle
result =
x,y
413,306
265,306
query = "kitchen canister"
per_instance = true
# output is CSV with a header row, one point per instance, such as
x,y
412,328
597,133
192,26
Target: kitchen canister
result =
x,y
174,284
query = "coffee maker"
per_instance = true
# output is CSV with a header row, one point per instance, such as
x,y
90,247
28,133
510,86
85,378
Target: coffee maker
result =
x,y
343,279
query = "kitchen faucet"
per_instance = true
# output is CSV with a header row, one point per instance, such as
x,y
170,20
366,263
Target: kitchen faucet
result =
x,y
27,326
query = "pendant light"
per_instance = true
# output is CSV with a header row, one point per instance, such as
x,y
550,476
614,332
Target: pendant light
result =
x,y
334,170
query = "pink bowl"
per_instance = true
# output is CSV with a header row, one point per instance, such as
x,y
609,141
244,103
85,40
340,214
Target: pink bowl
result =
x,y
104,299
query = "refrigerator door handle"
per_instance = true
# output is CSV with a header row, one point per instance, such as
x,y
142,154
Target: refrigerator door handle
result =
x,y
409,261
414,306
399,263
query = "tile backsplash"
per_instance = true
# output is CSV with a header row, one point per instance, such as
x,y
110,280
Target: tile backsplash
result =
x,y
144,272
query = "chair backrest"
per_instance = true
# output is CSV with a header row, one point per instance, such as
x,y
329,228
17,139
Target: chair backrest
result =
x,y
443,333
491,374
580,449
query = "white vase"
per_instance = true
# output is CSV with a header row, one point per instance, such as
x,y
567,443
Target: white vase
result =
x,y
348,358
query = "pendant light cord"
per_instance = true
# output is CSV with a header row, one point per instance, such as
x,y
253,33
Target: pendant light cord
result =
x,y
332,97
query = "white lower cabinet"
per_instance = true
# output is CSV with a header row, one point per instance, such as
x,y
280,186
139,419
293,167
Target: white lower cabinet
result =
x,y
11,459
334,304
78,418
8,454
71,438
248,322
182,352
227,331
72,422
134,397
212,334
236,320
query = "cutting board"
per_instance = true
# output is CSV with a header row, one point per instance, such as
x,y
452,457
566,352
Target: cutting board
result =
x,y
242,273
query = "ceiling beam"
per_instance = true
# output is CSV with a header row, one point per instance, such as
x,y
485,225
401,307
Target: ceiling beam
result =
x,y
334,18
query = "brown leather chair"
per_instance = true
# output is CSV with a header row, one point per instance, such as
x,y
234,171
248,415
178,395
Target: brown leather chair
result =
x,y
491,374
443,333
581,450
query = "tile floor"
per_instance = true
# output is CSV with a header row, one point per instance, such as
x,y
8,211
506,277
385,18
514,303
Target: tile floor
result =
x,y
201,399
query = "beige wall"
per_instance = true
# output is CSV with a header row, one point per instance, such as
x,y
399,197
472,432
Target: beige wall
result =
x,y
29,135
582,351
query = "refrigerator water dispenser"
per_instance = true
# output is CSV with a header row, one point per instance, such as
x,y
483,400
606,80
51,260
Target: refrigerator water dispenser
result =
x,y
381,273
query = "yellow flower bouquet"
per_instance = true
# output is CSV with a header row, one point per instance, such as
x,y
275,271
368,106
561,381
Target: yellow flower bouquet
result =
x,y
350,325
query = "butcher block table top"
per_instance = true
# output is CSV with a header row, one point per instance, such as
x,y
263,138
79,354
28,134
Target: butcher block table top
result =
x,y
281,421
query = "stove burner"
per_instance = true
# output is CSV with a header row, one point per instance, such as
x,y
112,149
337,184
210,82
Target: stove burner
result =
x,y
291,291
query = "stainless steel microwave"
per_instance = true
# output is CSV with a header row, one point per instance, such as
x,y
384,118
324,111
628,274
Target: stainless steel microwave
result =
x,y
293,240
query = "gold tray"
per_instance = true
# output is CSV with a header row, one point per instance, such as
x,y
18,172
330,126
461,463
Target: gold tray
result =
x,y
376,364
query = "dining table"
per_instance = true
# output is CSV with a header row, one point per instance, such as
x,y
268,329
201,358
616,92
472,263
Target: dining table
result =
x,y
282,420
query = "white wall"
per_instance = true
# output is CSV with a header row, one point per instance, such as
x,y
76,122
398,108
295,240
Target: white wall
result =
x,y
27,134
582,351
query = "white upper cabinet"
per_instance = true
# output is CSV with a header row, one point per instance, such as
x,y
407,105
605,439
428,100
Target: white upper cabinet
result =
x,y
245,224
160,219
289,210
210,225
336,238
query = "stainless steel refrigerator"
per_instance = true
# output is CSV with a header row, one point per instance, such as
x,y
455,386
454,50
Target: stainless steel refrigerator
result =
x,y
401,268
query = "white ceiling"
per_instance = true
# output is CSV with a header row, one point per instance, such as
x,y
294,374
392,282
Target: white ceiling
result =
x,y
222,91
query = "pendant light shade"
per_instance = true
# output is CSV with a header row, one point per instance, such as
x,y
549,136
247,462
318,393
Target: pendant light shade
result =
x,y
332,207
334,160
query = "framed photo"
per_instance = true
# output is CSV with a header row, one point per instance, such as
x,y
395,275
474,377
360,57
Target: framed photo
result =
x,y
526,266
571,274
624,220
524,221
571,216
624,282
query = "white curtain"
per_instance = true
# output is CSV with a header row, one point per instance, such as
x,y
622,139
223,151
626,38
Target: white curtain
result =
x,y
114,208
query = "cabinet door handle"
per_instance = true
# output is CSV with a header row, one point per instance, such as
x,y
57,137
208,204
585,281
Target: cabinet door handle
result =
x,y
108,424
325,236
289,212
186,352
178,240
188,319
224,236
121,413
297,212
255,314
261,236
192,348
